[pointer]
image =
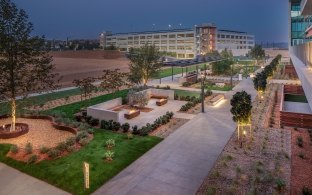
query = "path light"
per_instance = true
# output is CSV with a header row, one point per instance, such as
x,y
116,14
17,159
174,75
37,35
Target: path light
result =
x,y
244,133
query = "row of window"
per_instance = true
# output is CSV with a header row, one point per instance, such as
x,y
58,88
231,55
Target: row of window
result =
x,y
187,42
223,36
235,42
171,36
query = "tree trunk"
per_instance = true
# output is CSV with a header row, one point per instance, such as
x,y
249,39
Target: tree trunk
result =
x,y
13,114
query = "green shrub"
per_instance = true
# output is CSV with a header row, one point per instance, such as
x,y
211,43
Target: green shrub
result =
x,y
91,131
84,141
70,141
81,135
14,149
62,146
135,130
110,143
70,148
43,150
88,119
109,155
280,184
300,141
28,148
125,127
32,159
54,153
211,190
187,84
116,126
94,122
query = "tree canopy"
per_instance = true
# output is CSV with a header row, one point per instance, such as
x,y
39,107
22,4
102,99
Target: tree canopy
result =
x,y
241,107
145,62
257,52
25,65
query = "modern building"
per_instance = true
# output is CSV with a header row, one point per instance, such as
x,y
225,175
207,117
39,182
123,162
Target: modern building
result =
x,y
300,40
184,43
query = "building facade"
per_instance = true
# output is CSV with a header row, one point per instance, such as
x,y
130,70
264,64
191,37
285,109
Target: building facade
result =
x,y
300,40
183,43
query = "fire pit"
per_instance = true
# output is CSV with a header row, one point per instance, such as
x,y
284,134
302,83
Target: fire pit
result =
x,y
132,114
20,129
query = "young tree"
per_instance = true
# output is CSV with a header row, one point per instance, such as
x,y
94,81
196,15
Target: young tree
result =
x,y
226,54
145,62
257,53
113,80
85,85
241,108
260,81
25,66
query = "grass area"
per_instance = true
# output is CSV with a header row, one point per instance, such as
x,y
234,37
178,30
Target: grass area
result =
x,y
214,87
246,62
37,100
186,93
296,98
165,72
66,172
70,109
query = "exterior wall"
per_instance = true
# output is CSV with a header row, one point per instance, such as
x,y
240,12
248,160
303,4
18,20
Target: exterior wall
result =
x,y
186,43
160,92
102,111
240,43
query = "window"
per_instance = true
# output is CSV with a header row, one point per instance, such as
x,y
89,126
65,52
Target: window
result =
x,y
180,41
149,37
172,42
156,42
136,38
172,47
189,35
163,42
142,37
172,36
142,42
218,35
181,35
223,36
227,36
232,36
180,47
156,36
136,42
164,36
130,38
163,48
236,37
130,42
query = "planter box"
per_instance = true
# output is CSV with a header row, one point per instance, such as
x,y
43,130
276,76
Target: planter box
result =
x,y
161,102
132,114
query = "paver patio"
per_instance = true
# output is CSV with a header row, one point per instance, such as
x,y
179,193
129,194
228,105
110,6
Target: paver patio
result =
x,y
179,164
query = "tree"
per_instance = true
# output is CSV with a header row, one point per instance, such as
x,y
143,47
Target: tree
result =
x,y
260,81
257,53
145,62
226,54
25,67
113,80
221,67
85,85
241,108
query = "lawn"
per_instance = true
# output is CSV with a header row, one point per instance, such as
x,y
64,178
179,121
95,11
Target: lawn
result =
x,y
40,99
70,109
186,93
67,174
296,98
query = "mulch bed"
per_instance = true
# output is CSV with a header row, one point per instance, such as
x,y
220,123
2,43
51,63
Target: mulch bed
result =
x,y
165,130
301,173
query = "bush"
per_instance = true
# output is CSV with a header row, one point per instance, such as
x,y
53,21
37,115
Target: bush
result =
x,y
135,130
83,127
62,146
32,159
169,114
91,131
186,84
125,127
306,191
88,119
70,148
28,148
78,118
70,141
208,93
14,149
54,153
84,113
81,135
110,143
84,141
116,126
109,155
300,141
129,135
44,150
280,184
94,122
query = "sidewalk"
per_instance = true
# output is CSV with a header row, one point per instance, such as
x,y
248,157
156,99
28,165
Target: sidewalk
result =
x,y
13,182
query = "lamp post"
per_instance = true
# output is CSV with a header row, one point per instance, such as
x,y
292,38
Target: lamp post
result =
x,y
202,93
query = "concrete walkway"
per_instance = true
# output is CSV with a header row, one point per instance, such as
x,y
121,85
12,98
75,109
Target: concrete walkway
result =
x,y
180,163
14,182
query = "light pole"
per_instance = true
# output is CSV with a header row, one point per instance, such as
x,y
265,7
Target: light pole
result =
x,y
202,93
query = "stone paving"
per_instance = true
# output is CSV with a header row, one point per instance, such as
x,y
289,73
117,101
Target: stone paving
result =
x,y
180,163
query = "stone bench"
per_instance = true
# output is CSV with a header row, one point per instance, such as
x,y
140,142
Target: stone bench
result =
x,y
161,102
132,114
215,100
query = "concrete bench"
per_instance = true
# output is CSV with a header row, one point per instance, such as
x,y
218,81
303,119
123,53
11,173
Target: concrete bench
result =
x,y
161,102
132,114
215,100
